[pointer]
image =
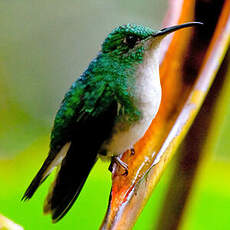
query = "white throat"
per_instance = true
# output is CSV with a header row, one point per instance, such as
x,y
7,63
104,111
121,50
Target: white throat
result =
x,y
148,96
148,88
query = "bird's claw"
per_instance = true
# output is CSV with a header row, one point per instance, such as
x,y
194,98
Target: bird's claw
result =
x,y
119,162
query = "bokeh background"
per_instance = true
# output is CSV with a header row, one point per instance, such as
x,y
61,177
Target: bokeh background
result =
x,y
44,47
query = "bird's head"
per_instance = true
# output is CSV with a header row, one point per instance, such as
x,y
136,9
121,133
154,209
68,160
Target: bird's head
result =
x,y
129,42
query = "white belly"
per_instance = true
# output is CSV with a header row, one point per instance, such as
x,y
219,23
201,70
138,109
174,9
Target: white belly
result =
x,y
148,95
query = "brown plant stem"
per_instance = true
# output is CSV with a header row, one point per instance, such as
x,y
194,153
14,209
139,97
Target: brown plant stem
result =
x,y
7,224
191,155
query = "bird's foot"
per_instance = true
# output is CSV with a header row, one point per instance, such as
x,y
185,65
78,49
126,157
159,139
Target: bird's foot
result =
x,y
119,162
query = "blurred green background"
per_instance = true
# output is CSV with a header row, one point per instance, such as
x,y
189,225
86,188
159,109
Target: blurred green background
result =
x,y
44,47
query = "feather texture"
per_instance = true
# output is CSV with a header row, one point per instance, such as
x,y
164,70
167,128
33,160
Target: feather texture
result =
x,y
78,162
50,163
102,103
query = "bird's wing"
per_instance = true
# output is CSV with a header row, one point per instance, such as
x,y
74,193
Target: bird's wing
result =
x,y
78,133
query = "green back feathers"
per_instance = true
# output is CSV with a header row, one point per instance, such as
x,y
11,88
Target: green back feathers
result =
x,y
110,77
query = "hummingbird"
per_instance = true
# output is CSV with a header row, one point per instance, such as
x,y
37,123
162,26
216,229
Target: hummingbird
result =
x,y
104,113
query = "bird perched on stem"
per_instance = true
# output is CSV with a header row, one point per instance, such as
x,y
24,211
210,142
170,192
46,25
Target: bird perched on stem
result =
x,y
104,113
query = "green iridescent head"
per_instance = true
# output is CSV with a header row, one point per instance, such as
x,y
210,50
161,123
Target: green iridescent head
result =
x,y
131,40
126,40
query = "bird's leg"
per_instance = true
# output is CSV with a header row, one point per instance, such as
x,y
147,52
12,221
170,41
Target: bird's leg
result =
x,y
118,161
132,151
122,164
111,165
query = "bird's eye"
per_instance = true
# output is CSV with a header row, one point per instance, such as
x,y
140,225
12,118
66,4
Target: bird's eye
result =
x,y
131,40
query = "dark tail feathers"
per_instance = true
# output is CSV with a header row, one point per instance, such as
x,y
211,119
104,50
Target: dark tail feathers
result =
x,y
39,178
69,181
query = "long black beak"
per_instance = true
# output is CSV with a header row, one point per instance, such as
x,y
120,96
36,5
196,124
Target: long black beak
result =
x,y
171,29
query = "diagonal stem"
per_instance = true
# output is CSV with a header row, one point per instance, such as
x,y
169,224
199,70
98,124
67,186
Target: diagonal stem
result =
x,y
191,157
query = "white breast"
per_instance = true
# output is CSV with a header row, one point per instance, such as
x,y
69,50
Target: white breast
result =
x,y
148,94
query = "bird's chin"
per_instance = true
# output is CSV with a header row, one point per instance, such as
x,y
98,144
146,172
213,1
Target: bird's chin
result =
x,y
154,42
